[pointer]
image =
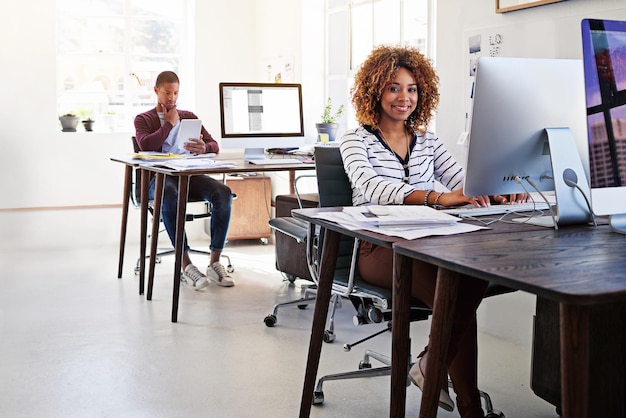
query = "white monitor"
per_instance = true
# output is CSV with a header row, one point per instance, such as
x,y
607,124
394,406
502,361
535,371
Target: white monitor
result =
x,y
604,57
528,122
258,116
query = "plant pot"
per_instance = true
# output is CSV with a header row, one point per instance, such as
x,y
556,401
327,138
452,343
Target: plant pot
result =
x,y
88,124
69,123
324,129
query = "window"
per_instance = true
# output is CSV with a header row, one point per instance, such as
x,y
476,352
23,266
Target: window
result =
x,y
355,27
109,53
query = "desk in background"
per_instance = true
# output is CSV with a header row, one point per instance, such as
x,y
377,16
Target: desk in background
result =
x,y
240,166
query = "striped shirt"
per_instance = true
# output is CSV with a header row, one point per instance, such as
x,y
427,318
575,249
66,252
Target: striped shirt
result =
x,y
378,176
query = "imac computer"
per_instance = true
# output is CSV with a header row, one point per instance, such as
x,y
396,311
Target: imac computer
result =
x,y
257,116
604,57
528,133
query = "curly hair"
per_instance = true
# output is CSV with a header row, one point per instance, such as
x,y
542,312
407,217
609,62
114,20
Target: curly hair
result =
x,y
379,69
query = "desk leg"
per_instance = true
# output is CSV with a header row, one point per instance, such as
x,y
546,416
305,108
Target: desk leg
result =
x,y
145,186
400,340
125,200
181,210
574,360
156,216
324,287
440,328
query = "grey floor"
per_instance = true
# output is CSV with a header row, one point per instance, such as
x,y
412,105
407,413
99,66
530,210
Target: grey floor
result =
x,y
77,342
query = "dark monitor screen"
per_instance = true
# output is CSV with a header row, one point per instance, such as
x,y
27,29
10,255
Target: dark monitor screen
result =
x,y
604,57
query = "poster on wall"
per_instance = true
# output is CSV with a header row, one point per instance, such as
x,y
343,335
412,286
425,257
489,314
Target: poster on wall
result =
x,y
279,69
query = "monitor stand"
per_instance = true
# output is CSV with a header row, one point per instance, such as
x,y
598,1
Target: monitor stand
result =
x,y
571,206
618,223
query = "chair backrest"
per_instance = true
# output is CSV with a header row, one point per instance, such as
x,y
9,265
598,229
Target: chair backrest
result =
x,y
333,185
136,179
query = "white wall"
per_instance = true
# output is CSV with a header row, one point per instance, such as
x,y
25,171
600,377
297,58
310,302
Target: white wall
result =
x,y
551,31
43,167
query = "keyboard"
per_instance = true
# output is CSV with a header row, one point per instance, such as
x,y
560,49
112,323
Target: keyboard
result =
x,y
472,211
271,161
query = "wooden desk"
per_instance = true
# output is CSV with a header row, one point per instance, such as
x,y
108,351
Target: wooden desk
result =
x,y
241,166
581,267
563,265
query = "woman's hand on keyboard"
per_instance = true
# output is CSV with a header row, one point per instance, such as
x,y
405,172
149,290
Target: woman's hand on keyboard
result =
x,y
457,198
512,198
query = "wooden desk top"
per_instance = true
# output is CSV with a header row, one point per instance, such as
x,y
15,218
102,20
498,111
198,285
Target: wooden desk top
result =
x,y
580,265
241,166
575,264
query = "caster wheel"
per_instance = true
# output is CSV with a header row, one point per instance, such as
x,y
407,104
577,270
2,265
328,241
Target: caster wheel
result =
x,y
270,320
329,336
291,278
303,306
230,269
264,241
364,365
495,414
318,398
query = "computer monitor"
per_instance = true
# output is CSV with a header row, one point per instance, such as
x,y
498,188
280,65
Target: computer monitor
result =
x,y
528,122
257,116
604,57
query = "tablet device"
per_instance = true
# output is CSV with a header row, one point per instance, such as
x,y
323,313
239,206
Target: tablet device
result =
x,y
189,128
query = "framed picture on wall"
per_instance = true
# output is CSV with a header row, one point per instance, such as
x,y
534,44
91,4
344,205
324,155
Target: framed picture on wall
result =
x,y
503,6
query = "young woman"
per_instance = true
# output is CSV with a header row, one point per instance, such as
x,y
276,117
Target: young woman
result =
x,y
392,159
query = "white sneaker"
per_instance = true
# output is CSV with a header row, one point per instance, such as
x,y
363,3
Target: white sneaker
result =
x,y
217,273
194,277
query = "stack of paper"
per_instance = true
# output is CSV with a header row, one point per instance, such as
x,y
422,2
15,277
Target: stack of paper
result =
x,y
404,221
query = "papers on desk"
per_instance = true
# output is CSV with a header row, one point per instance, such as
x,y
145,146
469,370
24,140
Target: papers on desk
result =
x,y
404,221
180,162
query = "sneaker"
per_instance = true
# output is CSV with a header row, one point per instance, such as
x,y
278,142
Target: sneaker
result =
x,y
194,277
217,273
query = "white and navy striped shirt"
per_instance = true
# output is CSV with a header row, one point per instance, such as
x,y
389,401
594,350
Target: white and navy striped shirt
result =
x,y
378,176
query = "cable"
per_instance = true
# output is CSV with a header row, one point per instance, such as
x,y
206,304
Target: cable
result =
x,y
532,183
591,214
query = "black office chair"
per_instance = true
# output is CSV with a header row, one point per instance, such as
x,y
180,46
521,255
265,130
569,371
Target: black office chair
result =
x,y
189,217
372,304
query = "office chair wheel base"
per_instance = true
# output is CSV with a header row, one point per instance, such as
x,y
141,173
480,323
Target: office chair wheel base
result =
x,y
270,320
495,414
318,398
329,336
303,306
364,365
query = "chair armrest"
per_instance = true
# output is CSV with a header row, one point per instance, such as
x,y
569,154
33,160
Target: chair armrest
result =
x,y
295,187
289,226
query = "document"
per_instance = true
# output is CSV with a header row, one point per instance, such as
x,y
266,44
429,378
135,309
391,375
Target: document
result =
x,y
400,215
424,224
193,163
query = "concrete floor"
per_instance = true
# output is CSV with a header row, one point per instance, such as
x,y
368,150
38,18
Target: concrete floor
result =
x,y
75,341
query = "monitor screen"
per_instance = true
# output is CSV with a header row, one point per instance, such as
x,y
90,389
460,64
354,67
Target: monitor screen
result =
x,y
604,57
515,100
257,116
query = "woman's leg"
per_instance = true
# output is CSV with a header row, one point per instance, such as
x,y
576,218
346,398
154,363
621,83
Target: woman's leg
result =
x,y
377,264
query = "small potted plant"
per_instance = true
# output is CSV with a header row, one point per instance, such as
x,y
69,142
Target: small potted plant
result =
x,y
328,125
88,124
69,122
